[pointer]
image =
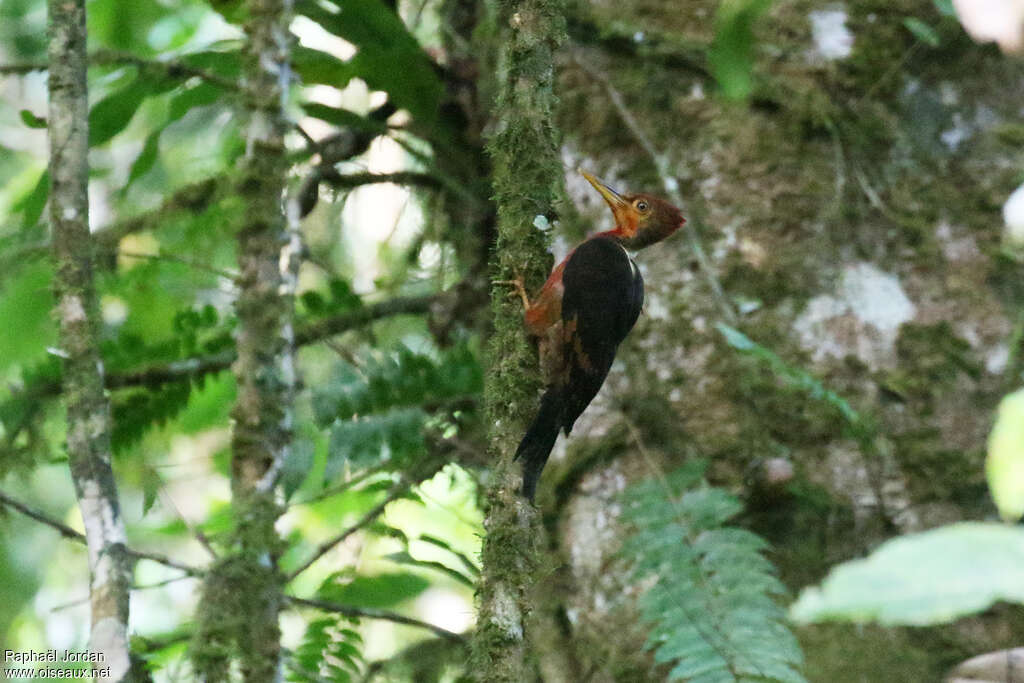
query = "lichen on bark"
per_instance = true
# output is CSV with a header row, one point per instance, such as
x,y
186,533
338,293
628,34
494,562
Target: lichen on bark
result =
x,y
88,409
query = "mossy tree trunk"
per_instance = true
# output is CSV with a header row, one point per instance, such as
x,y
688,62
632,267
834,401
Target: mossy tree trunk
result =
x,y
88,409
528,183
243,594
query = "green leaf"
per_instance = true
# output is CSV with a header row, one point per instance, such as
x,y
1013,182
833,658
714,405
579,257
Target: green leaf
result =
x,y
151,484
200,95
329,651
297,466
147,157
470,566
137,410
314,66
923,579
922,31
31,120
25,309
405,558
379,591
394,437
945,8
32,204
113,113
402,379
125,25
1004,465
223,62
343,118
732,51
710,602
860,427
388,57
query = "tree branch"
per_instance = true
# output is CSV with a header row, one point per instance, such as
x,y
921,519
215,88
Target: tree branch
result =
x,y
193,198
402,305
69,533
348,181
232,630
169,68
191,368
371,613
528,182
394,494
88,407
63,529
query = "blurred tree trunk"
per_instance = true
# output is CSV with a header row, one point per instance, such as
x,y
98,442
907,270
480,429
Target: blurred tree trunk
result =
x,y
850,211
244,592
88,410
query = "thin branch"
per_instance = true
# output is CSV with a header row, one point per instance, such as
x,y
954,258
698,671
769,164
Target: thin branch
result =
x,y
668,181
172,372
191,368
394,494
348,181
322,329
160,558
163,256
63,529
22,68
193,198
69,533
371,613
170,68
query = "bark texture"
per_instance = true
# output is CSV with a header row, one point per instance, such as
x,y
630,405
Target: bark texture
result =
x,y
851,212
527,183
88,410
242,598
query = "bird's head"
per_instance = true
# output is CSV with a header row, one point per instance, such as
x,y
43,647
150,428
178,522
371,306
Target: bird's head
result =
x,y
640,219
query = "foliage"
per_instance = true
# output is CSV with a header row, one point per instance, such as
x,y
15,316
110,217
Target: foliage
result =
x,y
711,602
732,53
939,575
330,650
165,137
855,425
1005,463
928,578
378,411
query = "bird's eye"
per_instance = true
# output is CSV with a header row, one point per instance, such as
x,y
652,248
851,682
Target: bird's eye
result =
x,y
641,205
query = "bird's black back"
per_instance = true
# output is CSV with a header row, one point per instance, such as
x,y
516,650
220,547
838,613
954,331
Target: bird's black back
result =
x,y
601,301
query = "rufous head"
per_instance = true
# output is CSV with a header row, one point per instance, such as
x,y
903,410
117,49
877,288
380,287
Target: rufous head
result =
x,y
640,219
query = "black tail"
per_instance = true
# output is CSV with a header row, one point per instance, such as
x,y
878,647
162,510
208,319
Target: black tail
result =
x,y
536,446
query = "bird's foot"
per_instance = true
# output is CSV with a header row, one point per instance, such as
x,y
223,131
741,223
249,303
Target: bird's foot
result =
x,y
518,289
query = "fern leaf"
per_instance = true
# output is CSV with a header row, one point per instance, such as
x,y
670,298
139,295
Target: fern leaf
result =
x,y
329,652
711,606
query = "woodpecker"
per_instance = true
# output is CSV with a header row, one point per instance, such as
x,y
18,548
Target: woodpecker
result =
x,y
586,308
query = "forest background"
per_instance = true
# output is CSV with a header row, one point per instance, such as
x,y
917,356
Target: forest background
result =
x,y
306,471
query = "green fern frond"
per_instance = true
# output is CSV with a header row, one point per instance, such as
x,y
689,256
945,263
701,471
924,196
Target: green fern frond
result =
x,y
712,604
380,411
330,651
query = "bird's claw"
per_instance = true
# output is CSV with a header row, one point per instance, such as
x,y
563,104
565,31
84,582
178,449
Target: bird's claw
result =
x,y
518,289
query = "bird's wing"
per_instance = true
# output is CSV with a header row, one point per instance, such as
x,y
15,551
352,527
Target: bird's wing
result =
x,y
601,302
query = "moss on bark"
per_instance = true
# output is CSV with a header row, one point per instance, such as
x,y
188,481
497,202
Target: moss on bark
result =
x,y
243,594
527,184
